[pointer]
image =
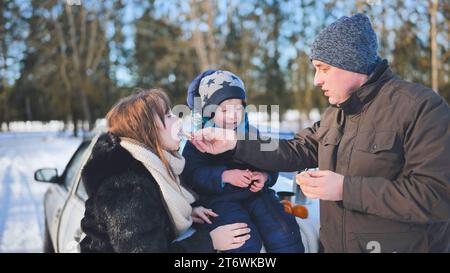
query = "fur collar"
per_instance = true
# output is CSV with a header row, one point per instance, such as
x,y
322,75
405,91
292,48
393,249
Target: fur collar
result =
x,y
108,158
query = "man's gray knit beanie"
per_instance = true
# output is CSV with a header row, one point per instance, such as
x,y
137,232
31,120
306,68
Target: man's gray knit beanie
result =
x,y
349,43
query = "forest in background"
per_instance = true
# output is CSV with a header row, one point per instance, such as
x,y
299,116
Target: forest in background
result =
x,y
70,60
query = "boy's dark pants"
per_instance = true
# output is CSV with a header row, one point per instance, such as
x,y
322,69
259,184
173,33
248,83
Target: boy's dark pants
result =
x,y
269,223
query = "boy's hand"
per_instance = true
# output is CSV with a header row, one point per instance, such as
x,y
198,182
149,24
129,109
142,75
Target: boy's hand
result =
x,y
238,178
259,179
201,215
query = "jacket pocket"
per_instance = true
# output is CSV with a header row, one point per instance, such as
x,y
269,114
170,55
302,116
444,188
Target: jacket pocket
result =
x,y
375,142
380,145
378,153
329,135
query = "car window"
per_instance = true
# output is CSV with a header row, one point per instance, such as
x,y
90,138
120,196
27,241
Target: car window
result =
x,y
81,191
74,165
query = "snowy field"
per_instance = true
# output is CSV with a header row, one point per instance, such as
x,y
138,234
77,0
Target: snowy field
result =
x,y
35,145
21,198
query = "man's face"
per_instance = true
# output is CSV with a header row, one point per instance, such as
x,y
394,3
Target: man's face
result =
x,y
337,84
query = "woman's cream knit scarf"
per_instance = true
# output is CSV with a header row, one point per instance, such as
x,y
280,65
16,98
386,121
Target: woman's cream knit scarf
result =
x,y
177,198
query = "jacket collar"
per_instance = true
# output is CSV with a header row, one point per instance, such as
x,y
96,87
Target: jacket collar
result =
x,y
368,91
107,159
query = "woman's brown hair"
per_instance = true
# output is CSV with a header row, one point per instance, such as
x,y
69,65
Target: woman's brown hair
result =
x,y
136,117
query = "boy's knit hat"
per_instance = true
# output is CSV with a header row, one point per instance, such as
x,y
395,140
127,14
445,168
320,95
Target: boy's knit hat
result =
x,y
215,86
349,43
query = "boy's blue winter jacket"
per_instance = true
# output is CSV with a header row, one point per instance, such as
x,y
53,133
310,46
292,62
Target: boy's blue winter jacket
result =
x,y
203,173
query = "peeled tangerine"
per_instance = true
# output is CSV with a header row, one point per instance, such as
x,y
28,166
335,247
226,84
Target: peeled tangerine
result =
x,y
296,210
286,203
300,211
288,209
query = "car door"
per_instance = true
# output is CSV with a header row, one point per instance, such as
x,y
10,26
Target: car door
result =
x,y
70,181
70,233
55,198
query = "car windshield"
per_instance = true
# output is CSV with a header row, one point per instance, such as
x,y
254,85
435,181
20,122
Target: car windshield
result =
x,y
74,165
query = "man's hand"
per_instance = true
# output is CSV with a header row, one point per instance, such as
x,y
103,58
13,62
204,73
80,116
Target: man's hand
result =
x,y
238,178
324,185
259,179
214,140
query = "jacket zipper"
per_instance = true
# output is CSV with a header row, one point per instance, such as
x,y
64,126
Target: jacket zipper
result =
x,y
344,239
344,245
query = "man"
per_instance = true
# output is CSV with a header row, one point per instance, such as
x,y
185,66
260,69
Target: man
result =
x,y
382,147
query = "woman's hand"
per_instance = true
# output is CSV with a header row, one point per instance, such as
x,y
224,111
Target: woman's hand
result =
x,y
230,236
200,215
259,179
238,178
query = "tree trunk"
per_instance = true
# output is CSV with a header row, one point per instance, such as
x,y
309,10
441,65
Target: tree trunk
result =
x,y
5,90
5,111
203,43
28,108
212,49
86,109
75,124
197,39
432,8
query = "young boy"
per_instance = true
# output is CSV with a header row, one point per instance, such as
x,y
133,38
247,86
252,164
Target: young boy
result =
x,y
236,192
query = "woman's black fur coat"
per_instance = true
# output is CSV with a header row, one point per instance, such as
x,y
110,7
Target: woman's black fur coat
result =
x,y
125,211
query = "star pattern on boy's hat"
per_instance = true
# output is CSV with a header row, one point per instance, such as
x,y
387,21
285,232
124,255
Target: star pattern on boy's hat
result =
x,y
211,81
205,98
219,80
225,84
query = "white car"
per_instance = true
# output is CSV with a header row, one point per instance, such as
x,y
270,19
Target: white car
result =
x,y
65,198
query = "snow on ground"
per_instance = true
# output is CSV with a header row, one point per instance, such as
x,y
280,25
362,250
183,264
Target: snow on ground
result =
x,y
36,145
21,198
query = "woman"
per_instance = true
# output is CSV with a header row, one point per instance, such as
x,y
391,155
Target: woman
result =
x,y
136,202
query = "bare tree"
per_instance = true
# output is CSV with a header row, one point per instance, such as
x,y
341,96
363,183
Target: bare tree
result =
x,y
86,39
204,42
10,32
